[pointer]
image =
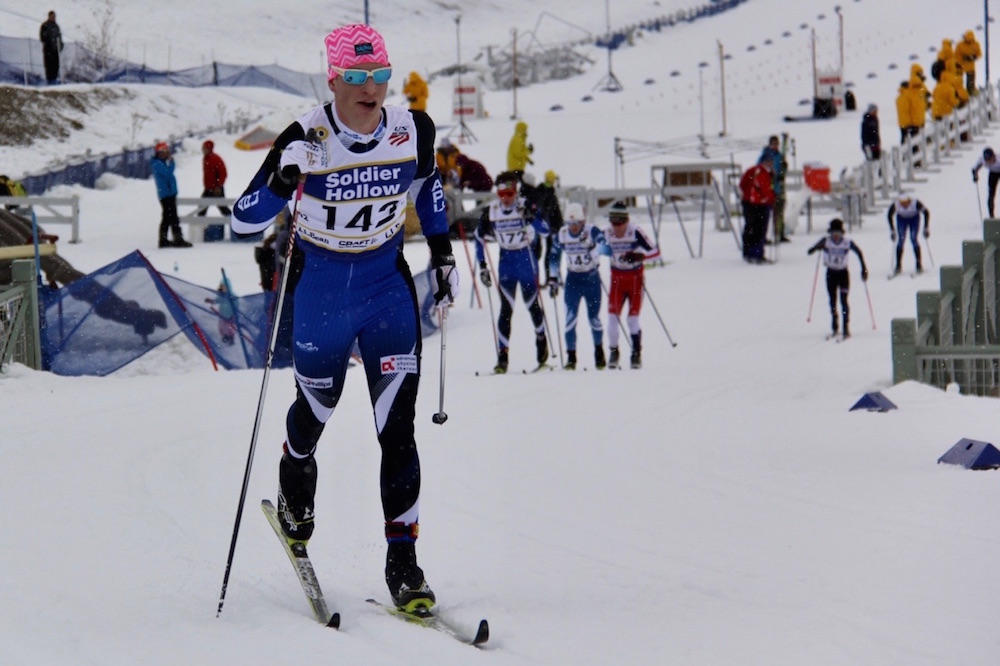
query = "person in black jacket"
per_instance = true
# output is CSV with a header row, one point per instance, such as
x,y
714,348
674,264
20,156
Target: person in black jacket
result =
x,y
871,142
52,44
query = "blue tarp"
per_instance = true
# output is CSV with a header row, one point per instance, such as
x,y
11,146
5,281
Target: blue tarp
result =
x,y
115,315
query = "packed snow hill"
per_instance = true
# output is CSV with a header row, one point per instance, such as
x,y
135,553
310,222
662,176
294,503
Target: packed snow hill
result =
x,y
718,505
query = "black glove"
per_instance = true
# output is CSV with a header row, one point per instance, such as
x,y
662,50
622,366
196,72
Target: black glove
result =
x,y
633,257
810,250
553,287
446,279
864,274
927,232
892,235
484,275
975,177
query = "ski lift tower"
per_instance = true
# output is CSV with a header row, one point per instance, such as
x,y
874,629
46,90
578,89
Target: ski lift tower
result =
x,y
610,82
465,135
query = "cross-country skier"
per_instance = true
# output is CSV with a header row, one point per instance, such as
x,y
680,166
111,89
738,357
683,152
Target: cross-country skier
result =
x,y
907,211
835,248
629,248
359,160
581,243
508,222
992,164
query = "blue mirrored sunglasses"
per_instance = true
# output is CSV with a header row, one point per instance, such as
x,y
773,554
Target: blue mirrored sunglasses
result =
x,y
358,77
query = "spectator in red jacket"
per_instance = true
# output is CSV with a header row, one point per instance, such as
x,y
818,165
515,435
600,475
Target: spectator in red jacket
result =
x,y
757,196
473,175
213,175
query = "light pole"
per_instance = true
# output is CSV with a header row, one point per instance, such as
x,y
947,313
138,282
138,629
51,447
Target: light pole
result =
x,y
465,135
840,17
610,82
986,41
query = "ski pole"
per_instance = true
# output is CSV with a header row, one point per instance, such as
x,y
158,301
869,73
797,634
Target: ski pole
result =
x,y
651,302
559,336
276,319
812,296
441,417
541,306
871,311
468,257
930,255
489,299
979,199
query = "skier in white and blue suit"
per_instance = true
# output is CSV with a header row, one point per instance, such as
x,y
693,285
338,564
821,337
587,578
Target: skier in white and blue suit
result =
x,y
582,244
359,160
513,226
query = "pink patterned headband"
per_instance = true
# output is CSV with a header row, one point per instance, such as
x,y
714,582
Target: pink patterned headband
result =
x,y
351,45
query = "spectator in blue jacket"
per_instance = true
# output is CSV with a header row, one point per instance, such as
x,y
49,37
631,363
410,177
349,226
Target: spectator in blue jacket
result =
x,y
166,190
774,153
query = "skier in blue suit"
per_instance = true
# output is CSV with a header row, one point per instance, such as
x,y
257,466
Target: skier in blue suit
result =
x,y
357,162
509,222
582,244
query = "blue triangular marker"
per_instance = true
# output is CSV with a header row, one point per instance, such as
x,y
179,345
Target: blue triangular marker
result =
x,y
873,402
972,454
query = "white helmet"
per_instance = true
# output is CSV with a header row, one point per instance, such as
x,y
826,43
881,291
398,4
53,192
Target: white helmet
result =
x,y
574,213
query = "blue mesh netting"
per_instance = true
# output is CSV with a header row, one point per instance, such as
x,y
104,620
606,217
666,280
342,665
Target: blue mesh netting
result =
x,y
106,320
21,62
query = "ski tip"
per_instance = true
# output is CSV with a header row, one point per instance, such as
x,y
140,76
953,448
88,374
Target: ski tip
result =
x,y
482,633
334,622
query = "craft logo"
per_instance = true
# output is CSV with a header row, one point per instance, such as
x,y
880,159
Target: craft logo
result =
x,y
307,346
398,363
364,48
399,136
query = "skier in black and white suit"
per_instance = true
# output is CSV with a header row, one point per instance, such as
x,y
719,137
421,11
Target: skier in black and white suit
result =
x,y
835,247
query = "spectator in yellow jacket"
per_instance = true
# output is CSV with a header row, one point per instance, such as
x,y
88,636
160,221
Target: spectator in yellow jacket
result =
x,y
415,89
904,112
944,99
945,60
519,150
918,82
954,76
447,162
967,52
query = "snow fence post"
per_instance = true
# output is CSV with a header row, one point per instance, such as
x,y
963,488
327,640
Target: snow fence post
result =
x,y
904,352
23,275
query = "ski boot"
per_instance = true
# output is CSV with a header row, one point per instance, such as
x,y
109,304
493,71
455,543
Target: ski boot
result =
x,y
178,237
407,586
847,331
636,360
542,347
502,361
296,497
613,360
570,360
599,361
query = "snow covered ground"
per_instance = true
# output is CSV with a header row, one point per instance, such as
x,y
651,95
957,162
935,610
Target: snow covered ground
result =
x,y
719,506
